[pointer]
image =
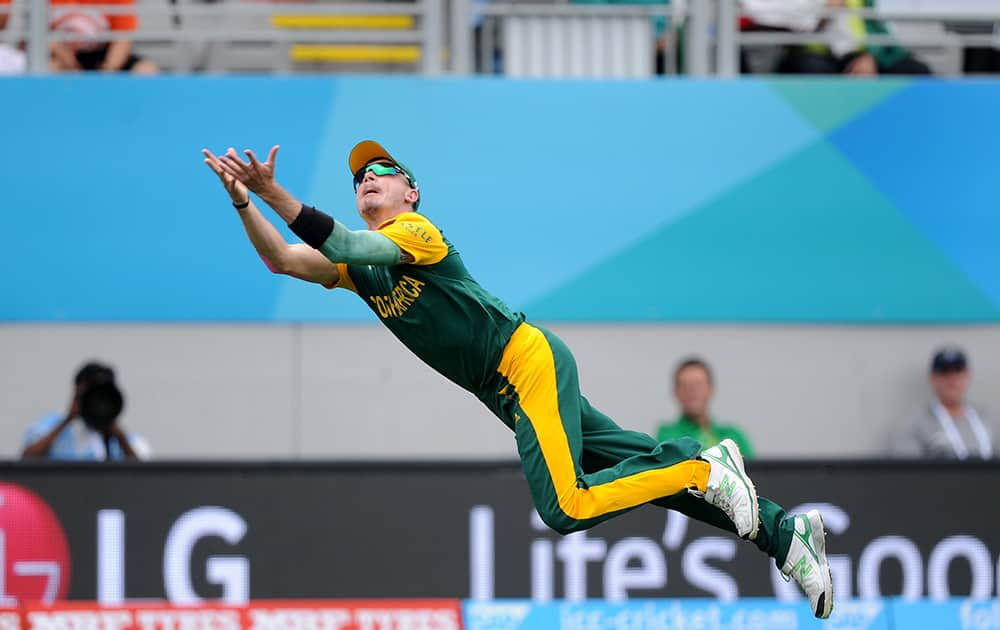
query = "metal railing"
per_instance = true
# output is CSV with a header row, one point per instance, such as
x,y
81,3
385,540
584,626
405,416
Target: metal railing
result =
x,y
576,40
730,41
713,41
469,37
181,25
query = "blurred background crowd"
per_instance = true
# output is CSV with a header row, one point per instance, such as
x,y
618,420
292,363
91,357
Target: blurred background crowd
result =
x,y
599,38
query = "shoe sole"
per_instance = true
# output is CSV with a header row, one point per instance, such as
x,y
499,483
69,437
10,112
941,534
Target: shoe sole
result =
x,y
824,604
734,452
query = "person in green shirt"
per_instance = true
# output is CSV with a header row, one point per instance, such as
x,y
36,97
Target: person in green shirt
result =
x,y
582,468
848,51
693,388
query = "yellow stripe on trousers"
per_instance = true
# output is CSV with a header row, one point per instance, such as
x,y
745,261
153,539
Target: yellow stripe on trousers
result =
x,y
529,365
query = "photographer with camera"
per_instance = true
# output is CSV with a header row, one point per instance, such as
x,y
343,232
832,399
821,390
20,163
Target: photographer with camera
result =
x,y
98,402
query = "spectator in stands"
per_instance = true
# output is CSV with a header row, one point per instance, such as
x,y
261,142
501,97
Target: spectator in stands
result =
x,y
949,426
90,51
693,388
97,402
12,59
848,54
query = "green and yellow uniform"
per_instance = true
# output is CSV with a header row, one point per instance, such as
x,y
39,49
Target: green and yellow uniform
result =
x,y
582,468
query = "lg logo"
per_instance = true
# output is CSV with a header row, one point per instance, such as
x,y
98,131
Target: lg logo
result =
x,y
34,556
232,573
35,565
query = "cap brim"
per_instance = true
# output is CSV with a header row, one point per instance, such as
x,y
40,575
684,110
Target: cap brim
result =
x,y
366,151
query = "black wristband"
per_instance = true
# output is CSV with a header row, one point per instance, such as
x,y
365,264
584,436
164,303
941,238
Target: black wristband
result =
x,y
240,206
312,226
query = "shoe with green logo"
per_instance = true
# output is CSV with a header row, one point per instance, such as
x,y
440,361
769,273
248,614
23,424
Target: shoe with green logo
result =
x,y
730,489
806,562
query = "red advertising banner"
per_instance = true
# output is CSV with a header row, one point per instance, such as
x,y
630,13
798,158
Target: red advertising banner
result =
x,y
328,614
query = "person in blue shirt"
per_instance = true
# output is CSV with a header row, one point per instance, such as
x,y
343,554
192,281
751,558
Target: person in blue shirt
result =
x,y
96,403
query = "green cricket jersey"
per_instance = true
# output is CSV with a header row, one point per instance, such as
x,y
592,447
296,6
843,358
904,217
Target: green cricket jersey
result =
x,y
434,306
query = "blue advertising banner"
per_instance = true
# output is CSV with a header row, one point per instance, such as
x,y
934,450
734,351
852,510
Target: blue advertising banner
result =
x,y
957,614
754,200
742,614
682,614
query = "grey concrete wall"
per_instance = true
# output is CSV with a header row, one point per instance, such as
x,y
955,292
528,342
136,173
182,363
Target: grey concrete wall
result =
x,y
353,391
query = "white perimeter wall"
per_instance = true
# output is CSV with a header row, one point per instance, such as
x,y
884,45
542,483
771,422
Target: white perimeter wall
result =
x,y
353,391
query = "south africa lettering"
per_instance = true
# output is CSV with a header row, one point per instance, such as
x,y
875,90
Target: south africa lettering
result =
x,y
403,295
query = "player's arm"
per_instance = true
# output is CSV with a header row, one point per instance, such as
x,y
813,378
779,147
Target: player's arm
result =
x,y
329,237
337,243
297,260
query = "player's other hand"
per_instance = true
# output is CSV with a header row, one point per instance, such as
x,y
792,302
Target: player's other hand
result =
x,y
236,189
256,175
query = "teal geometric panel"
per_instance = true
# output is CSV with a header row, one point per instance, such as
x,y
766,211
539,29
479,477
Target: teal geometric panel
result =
x,y
812,200
808,240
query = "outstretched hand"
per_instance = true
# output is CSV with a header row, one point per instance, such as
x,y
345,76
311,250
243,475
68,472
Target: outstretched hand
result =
x,y
256,175
236,189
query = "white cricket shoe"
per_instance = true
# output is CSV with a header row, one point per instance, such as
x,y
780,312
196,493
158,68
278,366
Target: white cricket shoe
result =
x,y
730,489
806,562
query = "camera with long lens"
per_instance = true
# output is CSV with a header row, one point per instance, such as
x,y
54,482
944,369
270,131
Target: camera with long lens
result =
x,y
101,401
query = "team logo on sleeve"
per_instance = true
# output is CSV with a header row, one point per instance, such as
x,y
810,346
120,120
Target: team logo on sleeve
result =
x,y
417,231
